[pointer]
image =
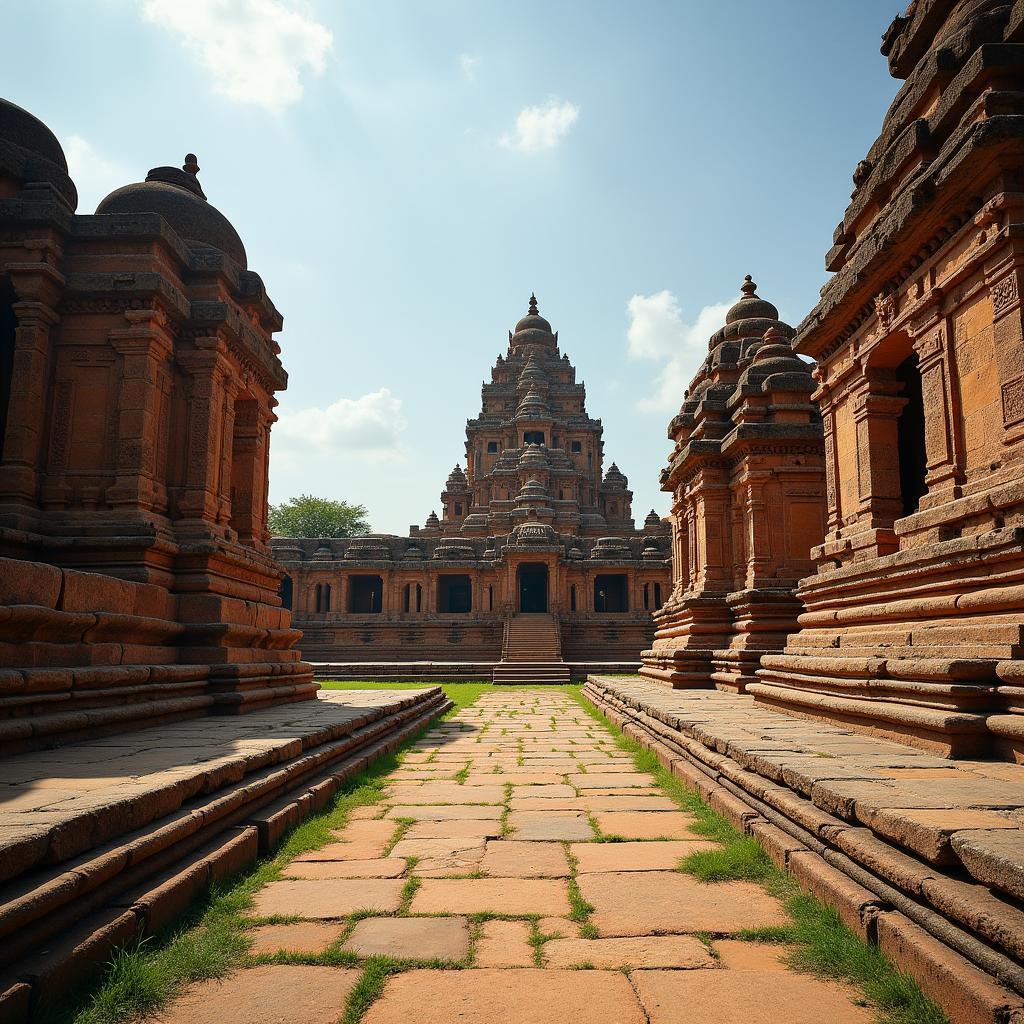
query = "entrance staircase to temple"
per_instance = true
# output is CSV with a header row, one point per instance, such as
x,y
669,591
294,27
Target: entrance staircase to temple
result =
x,y
531,651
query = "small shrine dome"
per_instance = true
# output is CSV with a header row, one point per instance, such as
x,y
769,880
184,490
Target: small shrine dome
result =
x,y
751,306
177,196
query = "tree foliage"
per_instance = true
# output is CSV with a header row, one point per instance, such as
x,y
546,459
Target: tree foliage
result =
x,y
309,516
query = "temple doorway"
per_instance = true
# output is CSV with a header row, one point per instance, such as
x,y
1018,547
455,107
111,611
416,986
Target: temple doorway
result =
x,y
611,593
533,588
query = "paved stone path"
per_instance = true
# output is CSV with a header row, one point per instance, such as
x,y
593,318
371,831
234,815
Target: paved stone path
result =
x,y
487,842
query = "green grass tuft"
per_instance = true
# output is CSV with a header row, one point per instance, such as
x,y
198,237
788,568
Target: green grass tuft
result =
x,y
742,860
368,988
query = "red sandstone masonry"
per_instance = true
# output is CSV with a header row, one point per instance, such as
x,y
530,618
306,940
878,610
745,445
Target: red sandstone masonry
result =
x,y
77,951
965,992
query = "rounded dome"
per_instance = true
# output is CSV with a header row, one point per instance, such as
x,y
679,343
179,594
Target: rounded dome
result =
x,y
176,195
533,321
751,306
17,125
35,153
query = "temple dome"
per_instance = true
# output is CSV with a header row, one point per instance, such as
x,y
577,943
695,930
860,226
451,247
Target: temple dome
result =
x,y
40,156
751,306
533,329
533,321
25,130
176,195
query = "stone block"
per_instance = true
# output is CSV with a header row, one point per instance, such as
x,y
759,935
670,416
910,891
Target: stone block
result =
x,y
313,995
967,994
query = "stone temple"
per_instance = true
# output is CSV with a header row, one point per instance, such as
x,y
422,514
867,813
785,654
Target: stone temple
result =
x,y
829,624
534,563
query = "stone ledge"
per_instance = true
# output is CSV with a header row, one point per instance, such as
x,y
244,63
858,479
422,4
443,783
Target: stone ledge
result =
x,y
61,922
449,671
769,774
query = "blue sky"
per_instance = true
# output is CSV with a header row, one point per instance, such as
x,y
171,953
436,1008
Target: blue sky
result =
x,y
404,173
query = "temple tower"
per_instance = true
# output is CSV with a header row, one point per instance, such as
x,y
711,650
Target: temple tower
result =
x,y
532,524
138,369
747,482
912,628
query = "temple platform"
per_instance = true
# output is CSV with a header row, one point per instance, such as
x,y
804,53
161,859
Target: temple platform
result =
x,y
109,840
921,855
455,671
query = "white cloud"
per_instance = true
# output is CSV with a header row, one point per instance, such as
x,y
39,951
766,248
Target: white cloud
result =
x,y
541,127
658,333
368,427
469,65
94,175
255,50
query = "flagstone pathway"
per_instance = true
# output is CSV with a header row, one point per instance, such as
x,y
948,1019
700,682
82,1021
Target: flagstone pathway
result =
x,y
487,856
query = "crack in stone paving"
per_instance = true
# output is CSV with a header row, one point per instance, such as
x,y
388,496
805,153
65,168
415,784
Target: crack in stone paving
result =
x,y
481,889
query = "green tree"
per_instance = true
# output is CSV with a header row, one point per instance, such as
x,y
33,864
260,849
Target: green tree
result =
x,y
308,516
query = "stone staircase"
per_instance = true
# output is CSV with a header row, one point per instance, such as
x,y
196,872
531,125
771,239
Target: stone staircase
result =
x,y
531,651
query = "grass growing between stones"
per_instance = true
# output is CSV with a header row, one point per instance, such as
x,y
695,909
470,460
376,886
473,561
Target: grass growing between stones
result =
x,y
821,943
580,909
211,940
739,860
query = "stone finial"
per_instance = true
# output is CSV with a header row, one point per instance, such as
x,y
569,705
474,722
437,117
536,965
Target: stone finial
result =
x,y
748,287
533,305
191,164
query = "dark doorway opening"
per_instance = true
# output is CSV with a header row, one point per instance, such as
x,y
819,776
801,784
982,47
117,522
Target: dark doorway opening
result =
x,y
533,588
611,593
910,438
285,592
533,437
454,594
365,594
8,324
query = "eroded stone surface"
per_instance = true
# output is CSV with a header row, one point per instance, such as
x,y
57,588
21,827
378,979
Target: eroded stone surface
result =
x,y
266,995
504,944
506,858
491,895
327,897
675,951
645,824
650,856
740,997
737,955
640,902
491,996
301,937
411,938
546,826
386,867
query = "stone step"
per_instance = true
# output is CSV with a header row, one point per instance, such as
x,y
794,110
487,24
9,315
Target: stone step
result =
x,y
185,786
531,672
919,853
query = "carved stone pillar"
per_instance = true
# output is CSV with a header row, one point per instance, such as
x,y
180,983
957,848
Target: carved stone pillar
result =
x,y
877,408
943,473
27,413
200,501
145,348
